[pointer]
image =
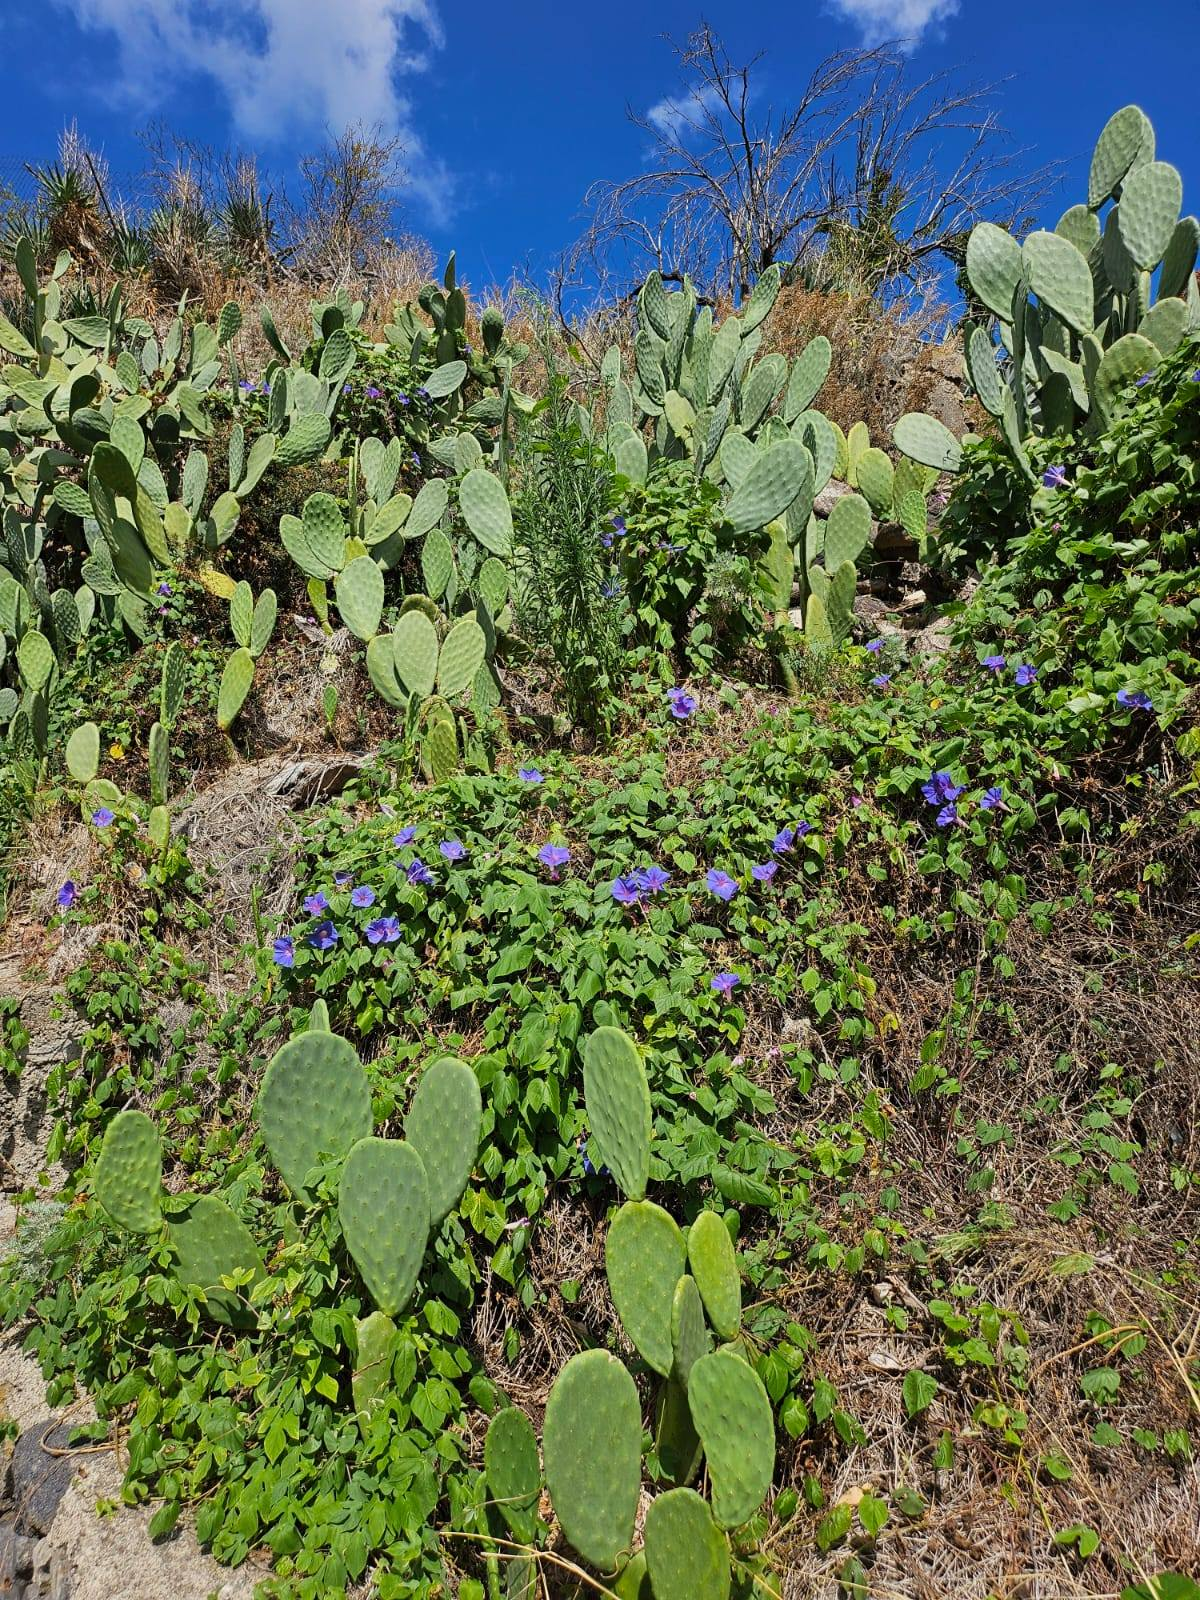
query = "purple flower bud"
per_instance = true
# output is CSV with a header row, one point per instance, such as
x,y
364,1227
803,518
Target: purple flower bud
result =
x,y
419,873
995,663
554,856
342,879
625,892
384,930
875,646
682,704
165,589
881,680
947,816
373,393
1054,477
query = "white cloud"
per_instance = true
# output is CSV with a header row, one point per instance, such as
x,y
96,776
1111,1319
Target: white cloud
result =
x,y
880,21
673,116
283,67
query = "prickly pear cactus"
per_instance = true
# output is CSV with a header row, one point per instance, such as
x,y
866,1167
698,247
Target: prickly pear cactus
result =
x,y
644,1258
383,1207
690,1338
732,1414
235,686
442,1126
592,1450
314,1101
375,1339
128,1177
211,1243
83,752
514,1473
714,1267
617,1097
687,1555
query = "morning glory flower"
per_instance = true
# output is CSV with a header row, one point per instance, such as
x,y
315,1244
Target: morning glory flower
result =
x,y
165,589
405,836
993,799
995,663
671,549
554,856
283,952
345,388
418,872
725,983
66,896
941,788
881,680
343,878
721,884
1054,477
1145,378
619,528
1135,699
581,1146
373,393
530,775
1026,675
947,816
651,879
103,817
416,460
403,400
422,394
682,704
266,387
875,646
246,386
314,904
452,849
764,871
384,930
363,896
625,892
324,936
783,841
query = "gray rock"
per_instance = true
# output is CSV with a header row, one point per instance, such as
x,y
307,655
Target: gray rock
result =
x,y
933,640
38,1479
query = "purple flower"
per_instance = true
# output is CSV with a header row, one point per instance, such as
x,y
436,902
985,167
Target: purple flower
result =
x,y
995,663
764,871
606,540
373,393
66,896
1026,675
1145,378
165,589
363,896
612,589
345,388
324,936
619,528
530,775
314,904
783,841
650,879
416,460
1054,477
246,386
875,646
1135,699
941,788
403,400
721,884
384,930
343,878
581,1146
103,817
947,816
266,387
625,892
682,704
422,394
405,836
283,952
671,549
418,872
881,680
554,856
452,849
725,983
993,799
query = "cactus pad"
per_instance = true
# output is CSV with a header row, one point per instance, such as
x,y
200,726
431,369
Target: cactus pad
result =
x,y
415,652
774,480
358,590
173,684
1150,200
314,1101
847,530
875,480
235,686
714,1267
994,267
514,1473
128,1179
617,1097
644,1257
442,1126
1061,278
732,1414
158,758
592,1446
1120,143
687,1555
690,1338
375,1340
83,752
927,440
383,1207
463,651
427,508
211,1243
486,511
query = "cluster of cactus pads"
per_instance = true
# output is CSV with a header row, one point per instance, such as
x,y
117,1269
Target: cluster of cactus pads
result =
x,y
314,1108
751,427
678,1296
1078,319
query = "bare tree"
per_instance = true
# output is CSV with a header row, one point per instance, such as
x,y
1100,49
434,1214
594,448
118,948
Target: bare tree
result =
x,y
733,184
346,211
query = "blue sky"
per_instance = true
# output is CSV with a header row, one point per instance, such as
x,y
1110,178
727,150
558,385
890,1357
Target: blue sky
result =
x,y
510,111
